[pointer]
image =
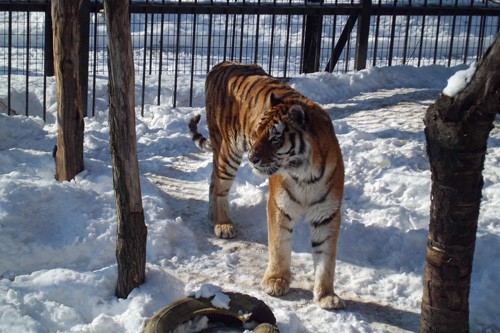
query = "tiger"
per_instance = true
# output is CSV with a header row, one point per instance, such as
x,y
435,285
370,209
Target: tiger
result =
x,y
289,139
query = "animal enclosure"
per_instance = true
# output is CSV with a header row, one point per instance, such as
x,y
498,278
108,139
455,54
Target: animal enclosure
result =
x,y
175,43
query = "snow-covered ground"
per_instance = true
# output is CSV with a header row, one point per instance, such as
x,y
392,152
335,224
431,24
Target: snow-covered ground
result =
x,y
57,240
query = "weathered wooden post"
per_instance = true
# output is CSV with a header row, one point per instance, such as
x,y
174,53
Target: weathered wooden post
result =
x,y
457,129
131,229
68,154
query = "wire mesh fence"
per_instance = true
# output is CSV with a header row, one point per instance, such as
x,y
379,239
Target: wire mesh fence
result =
x,y
184,39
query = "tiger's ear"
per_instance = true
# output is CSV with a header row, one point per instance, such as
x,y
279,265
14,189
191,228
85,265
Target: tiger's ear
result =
x,y
275,100
298,115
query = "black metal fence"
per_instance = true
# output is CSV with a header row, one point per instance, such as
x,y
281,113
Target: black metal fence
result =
x,y
184,39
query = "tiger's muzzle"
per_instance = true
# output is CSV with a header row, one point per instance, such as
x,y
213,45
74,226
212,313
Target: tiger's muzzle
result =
x,y
261,167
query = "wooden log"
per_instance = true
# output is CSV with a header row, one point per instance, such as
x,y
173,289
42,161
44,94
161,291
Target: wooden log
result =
x,y
131,229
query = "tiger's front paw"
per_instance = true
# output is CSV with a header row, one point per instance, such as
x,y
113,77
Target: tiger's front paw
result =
x,y
330,302
225,231
275,286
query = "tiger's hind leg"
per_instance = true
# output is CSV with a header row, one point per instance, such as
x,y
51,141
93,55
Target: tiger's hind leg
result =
x,y
226,163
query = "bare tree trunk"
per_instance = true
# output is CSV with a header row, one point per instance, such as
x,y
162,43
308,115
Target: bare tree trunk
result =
x,y
131,230
457,129
68,153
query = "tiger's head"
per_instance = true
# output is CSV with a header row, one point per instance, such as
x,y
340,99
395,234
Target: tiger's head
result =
x,y
280,139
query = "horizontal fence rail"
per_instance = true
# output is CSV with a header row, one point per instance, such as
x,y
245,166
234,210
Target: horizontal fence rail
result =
x,y
175,43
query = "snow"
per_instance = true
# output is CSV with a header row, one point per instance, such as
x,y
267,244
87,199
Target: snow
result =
x,y
57,239
220,299
459,81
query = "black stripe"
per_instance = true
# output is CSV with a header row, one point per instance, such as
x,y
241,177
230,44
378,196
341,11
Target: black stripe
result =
x,y
290,195
290,151
235,158
231,162
316,244
259,93
328,220
254,83
290,93
316,179
282,211
239,82
242,89
321,199
290,230
225,174
302,147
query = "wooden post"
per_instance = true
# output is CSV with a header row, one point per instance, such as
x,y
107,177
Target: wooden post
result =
x,y
312,41
457,129
68,153
131,229
362,36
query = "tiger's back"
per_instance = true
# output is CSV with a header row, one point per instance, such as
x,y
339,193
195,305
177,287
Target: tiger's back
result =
x,y
289,139
236,97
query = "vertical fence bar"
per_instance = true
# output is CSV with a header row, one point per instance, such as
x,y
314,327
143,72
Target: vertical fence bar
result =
x,y
226,30
28,32
347,56
391,41
46,40
287,44
209,46
454,21
84,17
48,49
160,61
422,30
94,55
9,59
257,26
375,43
481,38
469,26
193,55
151,43
271,43
233,37
407,28
437,34
144,56
176,64
241,33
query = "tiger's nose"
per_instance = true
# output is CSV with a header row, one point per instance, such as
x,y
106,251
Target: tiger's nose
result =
x,y
254,159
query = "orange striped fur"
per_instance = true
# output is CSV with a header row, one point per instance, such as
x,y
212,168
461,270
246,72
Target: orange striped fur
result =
x,y
290,139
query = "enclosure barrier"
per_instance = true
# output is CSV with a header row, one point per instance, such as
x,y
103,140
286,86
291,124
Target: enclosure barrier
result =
x,y
175,43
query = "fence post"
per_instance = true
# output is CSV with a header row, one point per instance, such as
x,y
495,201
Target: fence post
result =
x,y
312,41
362,35
84,17
49,41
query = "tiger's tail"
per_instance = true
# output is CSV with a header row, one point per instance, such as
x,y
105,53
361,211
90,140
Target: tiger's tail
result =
x,y
199,140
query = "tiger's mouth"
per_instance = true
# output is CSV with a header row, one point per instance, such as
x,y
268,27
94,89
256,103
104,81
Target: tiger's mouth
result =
x,y
264,171
269,170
